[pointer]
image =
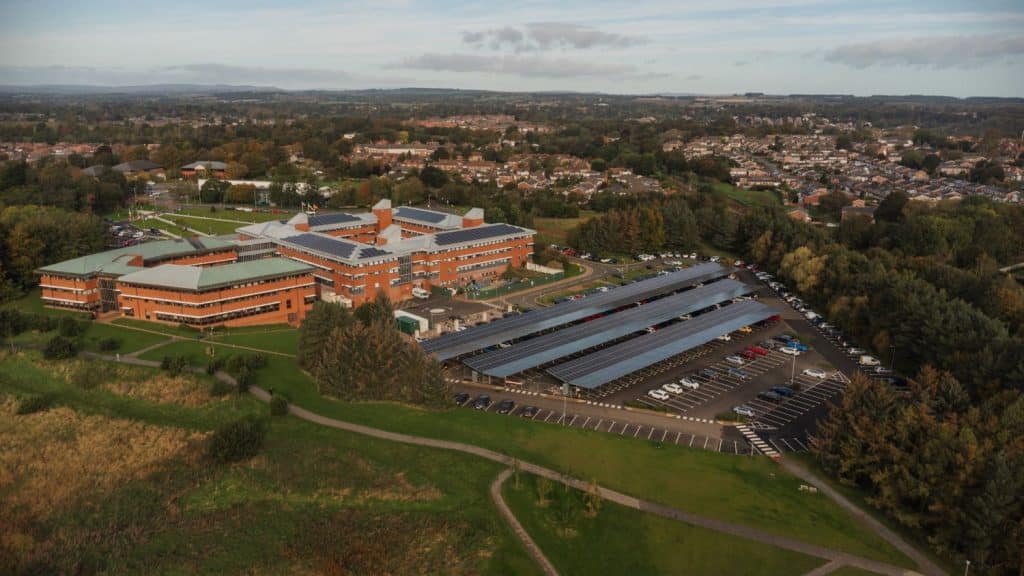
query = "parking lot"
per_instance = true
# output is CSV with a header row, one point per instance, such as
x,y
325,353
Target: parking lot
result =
x,y
812,393
618,424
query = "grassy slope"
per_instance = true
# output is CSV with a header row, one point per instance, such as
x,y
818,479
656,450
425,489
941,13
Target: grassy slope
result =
x,y
205,226
315,500
556,229
620,540
749,197
751,491
238,215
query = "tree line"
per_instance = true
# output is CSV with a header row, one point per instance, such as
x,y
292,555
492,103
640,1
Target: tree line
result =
x,y
360,355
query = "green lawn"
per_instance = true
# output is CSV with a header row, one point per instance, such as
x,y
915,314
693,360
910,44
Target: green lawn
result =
x,y
205,226
316,500
130,340
238,215
749,197
557,229
274,338
850,571
620,540
751,491
154,223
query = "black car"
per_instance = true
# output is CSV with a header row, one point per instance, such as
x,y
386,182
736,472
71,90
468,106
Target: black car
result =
x,y
783,390
461,398
529,412
505,406
482,402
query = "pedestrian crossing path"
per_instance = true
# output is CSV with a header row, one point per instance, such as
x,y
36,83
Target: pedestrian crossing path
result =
x,y
757,442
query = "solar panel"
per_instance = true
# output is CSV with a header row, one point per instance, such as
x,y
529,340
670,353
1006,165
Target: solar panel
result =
x,y
422,215
370,252
456,344
608,364
476,233
554,345
325,244
331,218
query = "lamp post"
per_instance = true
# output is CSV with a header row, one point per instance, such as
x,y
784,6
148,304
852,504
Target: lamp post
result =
x,y
967,566
892,358
792,371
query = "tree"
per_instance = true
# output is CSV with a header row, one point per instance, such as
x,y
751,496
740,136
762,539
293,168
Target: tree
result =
x,y
213,191
433,177
844,142
890,209
237,440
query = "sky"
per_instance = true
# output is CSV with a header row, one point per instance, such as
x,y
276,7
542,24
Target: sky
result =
x,y
953,48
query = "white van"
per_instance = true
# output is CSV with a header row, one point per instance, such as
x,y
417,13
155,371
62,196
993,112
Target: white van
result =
x,y
866,360
420,293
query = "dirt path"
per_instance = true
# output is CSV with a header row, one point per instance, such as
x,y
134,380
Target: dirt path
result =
x,y
531,546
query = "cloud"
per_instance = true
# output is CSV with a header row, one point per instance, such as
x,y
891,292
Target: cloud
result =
x,y
526,66
934,51
693,77
195,73
547,36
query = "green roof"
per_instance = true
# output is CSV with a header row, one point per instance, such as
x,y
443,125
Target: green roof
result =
x,y
115,262
199,278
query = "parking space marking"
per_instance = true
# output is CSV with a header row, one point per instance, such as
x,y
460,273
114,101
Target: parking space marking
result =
x,y
797,440
787,444
678,434
598,426
573,420
550,414
650,433
705,442
585,422
663,434
637,431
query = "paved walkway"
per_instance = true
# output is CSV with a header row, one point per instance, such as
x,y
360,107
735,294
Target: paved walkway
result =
x,y
531,546
722,526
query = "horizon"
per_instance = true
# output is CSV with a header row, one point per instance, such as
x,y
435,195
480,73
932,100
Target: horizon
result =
x,y
967,49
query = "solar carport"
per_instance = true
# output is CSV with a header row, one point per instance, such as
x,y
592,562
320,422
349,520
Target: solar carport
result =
x,y
561,343
456,344
608,364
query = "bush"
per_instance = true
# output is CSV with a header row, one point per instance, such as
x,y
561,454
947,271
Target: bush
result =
x,y
238,440
60,348
109,344
69,327
215,364
174,365
278,406
219,388
35,403
243,379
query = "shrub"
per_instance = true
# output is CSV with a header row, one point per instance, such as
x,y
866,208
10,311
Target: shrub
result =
x,y
174,365
238,440
216,363
109,344
35,403
60,348
69,327
243,379
278,406
219,388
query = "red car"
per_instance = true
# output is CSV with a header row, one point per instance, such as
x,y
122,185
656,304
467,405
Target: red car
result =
x,y
748,354
758,350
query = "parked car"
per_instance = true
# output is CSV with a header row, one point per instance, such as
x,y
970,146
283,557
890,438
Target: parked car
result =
x,y
482,402
789,350
815,373
745,330
673,388
529,412
856,351
689,383
738,373
866,360
724,338
734,360
658,394
709,373
769,344
748,354
744,410
759,351
505,406
798,345
461,398
769,396
783,391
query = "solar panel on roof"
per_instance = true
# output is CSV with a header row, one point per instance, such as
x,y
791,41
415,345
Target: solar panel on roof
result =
x,y
457,344
554,345
476,233
371,252
331,218
608,364
423,215
324,244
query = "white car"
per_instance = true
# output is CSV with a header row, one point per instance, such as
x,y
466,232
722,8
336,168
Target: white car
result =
x,y
724,338
789,350
693,255
868,361
689,383
744,410
735,360
856,351
673,388
815,373
658,394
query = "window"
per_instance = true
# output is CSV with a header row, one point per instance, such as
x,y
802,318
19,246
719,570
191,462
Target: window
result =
x,y
288,304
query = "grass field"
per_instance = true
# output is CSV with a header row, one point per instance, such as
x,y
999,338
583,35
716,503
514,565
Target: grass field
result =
x,y
316,500
620,540
206,226
283,339
749,197
130,341
751,491
154,223
238,215
557,229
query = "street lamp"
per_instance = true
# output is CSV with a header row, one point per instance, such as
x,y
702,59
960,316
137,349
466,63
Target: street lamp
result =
x,y
792,371
967,566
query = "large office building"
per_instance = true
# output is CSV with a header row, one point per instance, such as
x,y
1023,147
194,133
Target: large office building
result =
x,y
272,272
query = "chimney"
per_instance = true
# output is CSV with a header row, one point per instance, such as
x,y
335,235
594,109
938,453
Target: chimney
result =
x,y
382,210
474,217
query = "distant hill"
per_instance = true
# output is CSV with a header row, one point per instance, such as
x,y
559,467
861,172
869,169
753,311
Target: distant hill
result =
x,y
73,89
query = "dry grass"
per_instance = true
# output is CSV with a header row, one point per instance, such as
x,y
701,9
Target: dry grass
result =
x,y
54,459
133,381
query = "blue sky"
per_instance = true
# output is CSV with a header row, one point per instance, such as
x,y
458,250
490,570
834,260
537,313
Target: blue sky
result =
x,y
956,48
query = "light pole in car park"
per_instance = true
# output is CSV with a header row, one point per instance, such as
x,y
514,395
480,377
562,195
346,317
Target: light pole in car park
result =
x,y
792,371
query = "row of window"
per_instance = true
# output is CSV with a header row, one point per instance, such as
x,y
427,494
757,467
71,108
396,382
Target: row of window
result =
x,y
216,302
217,318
